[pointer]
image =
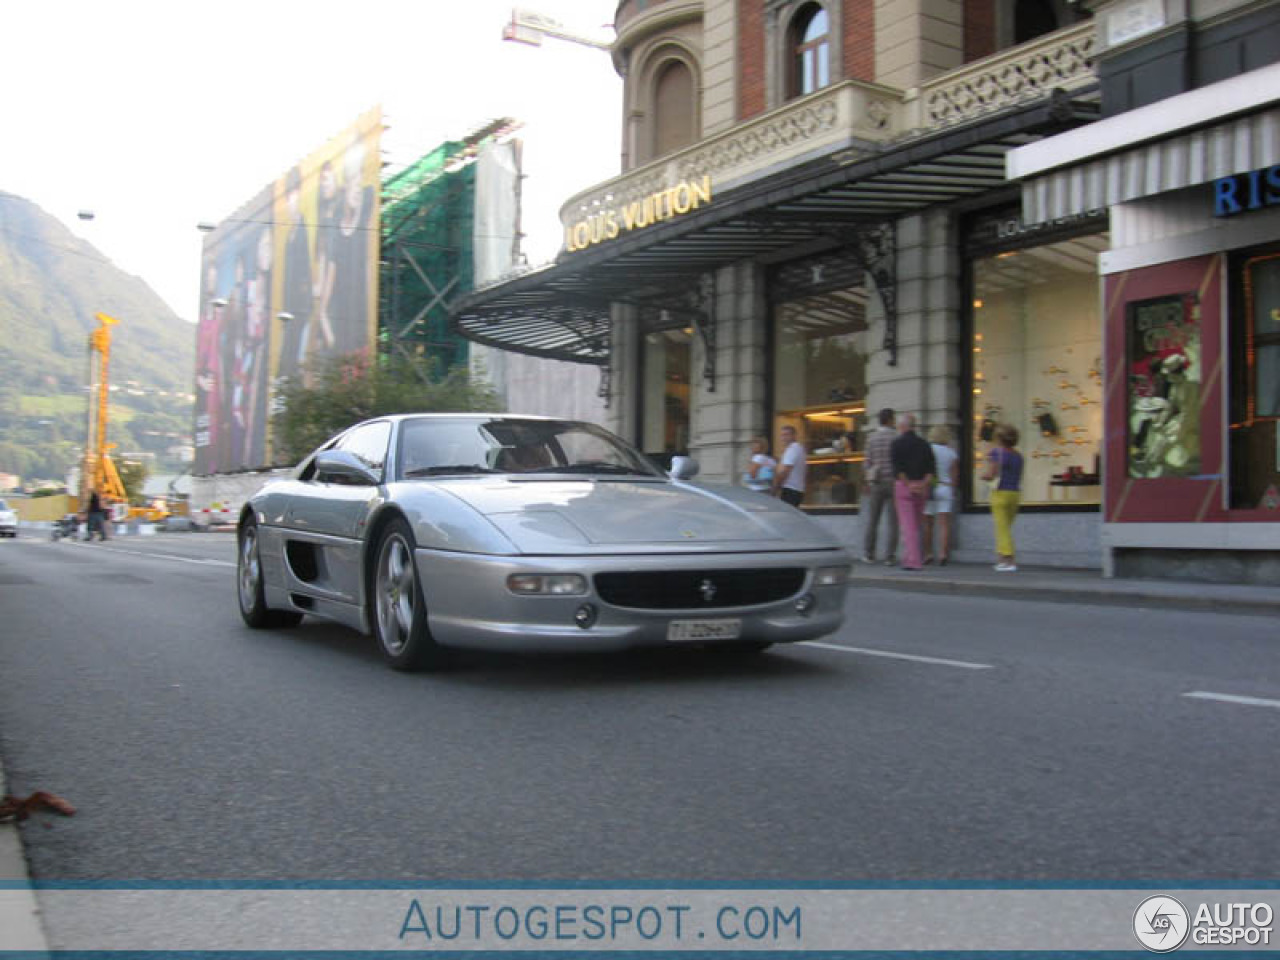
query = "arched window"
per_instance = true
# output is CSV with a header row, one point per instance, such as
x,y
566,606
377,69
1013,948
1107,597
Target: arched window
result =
x,y
811,50
673,105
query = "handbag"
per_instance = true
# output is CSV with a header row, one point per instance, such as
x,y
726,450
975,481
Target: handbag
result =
x,y
994,483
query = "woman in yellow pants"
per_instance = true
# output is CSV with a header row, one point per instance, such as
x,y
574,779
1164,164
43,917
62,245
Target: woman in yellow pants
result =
x,y
1004,466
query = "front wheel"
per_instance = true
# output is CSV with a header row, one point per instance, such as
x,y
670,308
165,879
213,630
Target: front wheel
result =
x,y
253,604
399,611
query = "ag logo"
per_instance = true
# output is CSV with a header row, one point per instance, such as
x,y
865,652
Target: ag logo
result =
x,y
1161,924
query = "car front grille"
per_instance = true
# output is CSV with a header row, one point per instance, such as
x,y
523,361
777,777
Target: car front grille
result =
x,y
683,589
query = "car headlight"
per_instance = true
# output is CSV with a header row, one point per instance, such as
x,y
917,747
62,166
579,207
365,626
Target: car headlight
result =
x,y
547,584
831,576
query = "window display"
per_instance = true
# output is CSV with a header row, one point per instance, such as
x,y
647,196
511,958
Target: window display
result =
x,y
1037,364
819,374
1164,387
1255,381
665,369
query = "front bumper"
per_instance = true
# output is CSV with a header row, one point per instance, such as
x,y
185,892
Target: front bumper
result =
x,y
469,605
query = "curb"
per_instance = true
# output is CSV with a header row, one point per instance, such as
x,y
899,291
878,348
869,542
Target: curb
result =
x,y
20,927
1127,596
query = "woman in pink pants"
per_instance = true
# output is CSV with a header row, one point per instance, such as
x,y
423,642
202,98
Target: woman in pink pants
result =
x,y
913,469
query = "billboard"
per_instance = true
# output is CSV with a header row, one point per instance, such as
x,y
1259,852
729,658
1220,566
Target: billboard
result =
x,y
287,282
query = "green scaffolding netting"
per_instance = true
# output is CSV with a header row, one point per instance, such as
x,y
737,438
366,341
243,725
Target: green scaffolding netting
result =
x,y
427,260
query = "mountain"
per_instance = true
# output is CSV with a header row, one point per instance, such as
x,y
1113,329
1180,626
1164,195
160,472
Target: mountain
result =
x,y
51,286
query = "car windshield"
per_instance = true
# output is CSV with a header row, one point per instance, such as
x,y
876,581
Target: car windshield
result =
x,y
442,447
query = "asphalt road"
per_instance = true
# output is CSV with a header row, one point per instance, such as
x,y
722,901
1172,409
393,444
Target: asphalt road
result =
x,y
1024,742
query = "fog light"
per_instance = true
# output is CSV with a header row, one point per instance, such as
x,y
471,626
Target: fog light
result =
x,y
547,584
831,576
585,616
805,605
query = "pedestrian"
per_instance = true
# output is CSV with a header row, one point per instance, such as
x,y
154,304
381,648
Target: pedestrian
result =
x,y
759,473
878,490
1004,470
789,477
96,518
942,500
913,471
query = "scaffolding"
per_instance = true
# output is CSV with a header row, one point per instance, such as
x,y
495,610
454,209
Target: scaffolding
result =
x,y
428,253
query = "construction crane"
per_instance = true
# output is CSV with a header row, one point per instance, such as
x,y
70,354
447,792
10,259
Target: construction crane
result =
x,y
99,471
529,26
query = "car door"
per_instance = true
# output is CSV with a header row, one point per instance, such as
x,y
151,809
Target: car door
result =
x,y
326,516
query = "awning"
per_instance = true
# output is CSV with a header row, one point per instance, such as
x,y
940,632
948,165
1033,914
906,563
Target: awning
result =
x,y
848,198
1240,145
1190,139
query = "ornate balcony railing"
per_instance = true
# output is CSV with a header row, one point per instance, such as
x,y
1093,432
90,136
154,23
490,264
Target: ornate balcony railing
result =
x,y
1058,60
848,116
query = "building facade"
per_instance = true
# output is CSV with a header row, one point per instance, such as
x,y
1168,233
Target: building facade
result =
x,y
1187,161
814,222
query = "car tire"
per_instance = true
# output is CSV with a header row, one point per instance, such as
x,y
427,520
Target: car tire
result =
x,y
249,588
397,609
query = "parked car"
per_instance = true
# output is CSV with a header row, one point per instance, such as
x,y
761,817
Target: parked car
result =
x,y
8,521
477,530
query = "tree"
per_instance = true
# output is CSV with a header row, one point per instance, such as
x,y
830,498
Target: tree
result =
x,y
355,387
133,477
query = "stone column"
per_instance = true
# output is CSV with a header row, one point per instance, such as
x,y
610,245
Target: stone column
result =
x,y
926,379
725,420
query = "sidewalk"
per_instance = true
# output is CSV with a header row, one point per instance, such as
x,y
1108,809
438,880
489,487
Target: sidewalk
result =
x,y
1059,585
20,927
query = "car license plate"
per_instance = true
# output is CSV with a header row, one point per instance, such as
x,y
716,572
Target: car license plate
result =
x,y
696,631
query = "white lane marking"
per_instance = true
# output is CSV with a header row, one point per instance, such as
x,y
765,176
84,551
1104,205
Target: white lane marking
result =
x,y
199,561
914,658
1232,698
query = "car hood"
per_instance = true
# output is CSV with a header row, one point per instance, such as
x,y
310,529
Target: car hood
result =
x,y
547,514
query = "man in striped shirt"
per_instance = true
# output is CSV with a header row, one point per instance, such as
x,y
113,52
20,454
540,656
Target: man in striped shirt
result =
x,y
878,490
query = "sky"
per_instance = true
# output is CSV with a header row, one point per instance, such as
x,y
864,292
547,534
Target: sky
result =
x,y
157,116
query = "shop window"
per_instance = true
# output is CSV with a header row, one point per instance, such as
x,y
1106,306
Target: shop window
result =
x,y
1255,381
811,50
665,365
820,350
1037,364
673,109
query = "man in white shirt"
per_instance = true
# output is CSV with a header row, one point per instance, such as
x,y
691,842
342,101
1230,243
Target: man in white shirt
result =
x,y
788,479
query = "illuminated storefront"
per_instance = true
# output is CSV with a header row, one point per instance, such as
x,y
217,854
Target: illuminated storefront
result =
x,y
1036,353
820,345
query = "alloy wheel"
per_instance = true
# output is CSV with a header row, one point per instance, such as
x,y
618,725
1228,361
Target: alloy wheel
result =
x,y
394,590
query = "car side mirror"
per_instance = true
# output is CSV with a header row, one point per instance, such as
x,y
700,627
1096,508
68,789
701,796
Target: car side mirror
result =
x,y
344,467
683,468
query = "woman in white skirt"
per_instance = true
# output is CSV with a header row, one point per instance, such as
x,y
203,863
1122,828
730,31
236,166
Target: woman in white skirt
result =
x,y
942,501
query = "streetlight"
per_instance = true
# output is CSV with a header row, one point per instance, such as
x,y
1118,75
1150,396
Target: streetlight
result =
x,y
529,26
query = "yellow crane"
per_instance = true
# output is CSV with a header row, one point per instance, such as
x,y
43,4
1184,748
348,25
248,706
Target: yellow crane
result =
x,y
99,471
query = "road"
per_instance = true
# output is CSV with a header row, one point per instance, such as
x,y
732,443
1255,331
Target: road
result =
x,y
933,739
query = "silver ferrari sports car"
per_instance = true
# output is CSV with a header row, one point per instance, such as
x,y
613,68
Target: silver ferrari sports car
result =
x,y
434,531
